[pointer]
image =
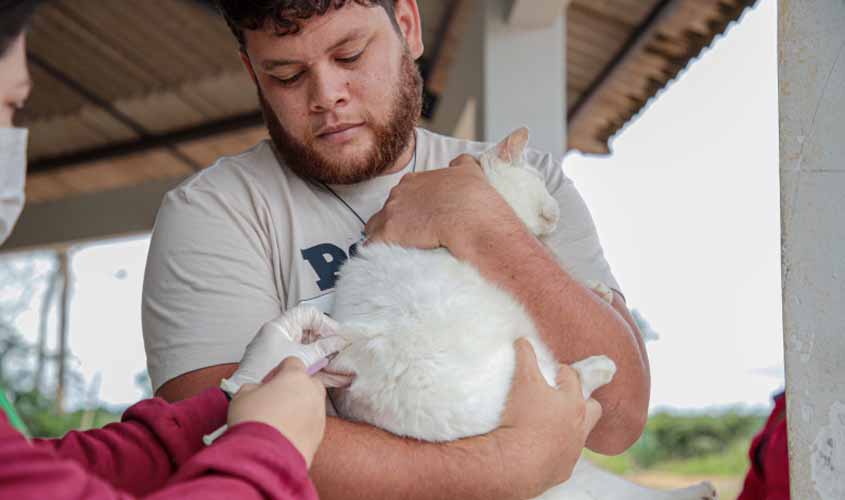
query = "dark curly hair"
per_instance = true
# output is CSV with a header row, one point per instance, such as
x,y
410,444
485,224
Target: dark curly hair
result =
x,y
14,17
286,16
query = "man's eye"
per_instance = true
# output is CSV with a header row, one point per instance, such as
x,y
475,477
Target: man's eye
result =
x,y
351,59
289,80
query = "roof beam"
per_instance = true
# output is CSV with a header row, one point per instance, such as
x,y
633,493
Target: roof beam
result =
x,y
151,141
581,111
108,107
534,14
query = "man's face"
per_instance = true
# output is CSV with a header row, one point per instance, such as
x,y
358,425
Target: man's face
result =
x,y
342,95
14,81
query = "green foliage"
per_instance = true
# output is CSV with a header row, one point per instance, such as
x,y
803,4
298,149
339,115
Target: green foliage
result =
x,y
697,435
732,461
38,412
712,444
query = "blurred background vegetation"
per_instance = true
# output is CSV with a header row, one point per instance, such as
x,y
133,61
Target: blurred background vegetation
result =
x,y
698,443
39,376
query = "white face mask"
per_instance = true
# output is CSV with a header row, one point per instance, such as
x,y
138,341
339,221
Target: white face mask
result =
x,y
12,177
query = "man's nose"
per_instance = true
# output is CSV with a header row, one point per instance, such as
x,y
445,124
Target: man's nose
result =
x,y
329,89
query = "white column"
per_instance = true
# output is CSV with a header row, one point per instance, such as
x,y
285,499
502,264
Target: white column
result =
x,y
812,175
510,71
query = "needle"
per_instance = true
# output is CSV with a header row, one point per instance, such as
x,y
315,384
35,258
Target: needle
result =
x,y
311,370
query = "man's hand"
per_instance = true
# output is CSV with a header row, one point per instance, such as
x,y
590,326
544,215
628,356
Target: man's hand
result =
x,y
290,401
543,429
432,209
282,338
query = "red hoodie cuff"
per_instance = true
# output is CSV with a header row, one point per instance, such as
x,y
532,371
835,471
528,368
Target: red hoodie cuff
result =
x,y
257,454
180,426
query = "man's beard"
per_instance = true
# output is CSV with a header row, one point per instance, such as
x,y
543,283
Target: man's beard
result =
x,y
390,138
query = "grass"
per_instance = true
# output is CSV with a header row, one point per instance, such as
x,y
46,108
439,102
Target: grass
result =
x,y
725,469
732,462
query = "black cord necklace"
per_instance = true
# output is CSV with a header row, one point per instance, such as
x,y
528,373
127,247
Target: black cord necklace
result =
x,y
348,206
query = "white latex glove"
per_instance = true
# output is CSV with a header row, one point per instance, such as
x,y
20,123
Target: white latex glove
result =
x,y
282,338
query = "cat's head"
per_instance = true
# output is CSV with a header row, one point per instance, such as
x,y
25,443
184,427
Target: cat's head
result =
x,y
520,184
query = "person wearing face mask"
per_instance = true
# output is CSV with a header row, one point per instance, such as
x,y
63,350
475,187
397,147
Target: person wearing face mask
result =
x,y
15,86
275,422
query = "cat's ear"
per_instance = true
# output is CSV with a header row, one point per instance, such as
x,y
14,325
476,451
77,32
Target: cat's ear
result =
x,y
511,148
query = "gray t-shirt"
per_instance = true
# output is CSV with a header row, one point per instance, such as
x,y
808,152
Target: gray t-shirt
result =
x,y
244,240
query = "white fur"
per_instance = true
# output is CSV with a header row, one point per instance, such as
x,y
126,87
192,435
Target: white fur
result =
x,y
431,341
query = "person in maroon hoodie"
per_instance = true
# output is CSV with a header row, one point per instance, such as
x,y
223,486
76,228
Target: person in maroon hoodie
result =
x,y
275,421
768,474
157,450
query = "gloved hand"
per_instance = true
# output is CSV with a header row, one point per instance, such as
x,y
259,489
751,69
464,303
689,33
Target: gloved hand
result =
x,y
283,337
302,417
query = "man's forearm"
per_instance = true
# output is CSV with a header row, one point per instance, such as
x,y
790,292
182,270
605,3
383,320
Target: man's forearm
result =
x,y
358,461
572,320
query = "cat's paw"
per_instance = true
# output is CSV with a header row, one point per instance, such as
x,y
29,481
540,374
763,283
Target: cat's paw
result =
x,y
549,214
594,372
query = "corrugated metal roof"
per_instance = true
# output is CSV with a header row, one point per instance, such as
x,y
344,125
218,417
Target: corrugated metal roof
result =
x,y
620,53
147,90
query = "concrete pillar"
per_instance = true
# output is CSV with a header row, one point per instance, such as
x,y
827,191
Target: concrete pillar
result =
x,y
510,72
811,57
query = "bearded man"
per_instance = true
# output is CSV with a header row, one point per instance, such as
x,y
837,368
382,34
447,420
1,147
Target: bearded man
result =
x,y
266,230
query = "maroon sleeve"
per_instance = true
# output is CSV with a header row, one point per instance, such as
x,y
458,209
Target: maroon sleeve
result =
x,y
140,454
252,460
27,472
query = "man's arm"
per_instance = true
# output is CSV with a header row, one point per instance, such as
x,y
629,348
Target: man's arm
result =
x,y
192,383
458,209
360,461
574,322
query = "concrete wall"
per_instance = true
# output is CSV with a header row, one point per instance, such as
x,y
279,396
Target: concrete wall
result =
x,y
812,174
90,217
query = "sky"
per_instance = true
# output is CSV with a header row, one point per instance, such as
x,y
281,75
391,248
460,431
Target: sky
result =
x,y
688,211
687,208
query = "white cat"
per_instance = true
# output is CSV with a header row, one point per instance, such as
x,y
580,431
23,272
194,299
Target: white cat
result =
x,y
431,341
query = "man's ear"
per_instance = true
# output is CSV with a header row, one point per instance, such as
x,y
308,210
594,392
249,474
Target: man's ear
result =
x,y
248,65
407,14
